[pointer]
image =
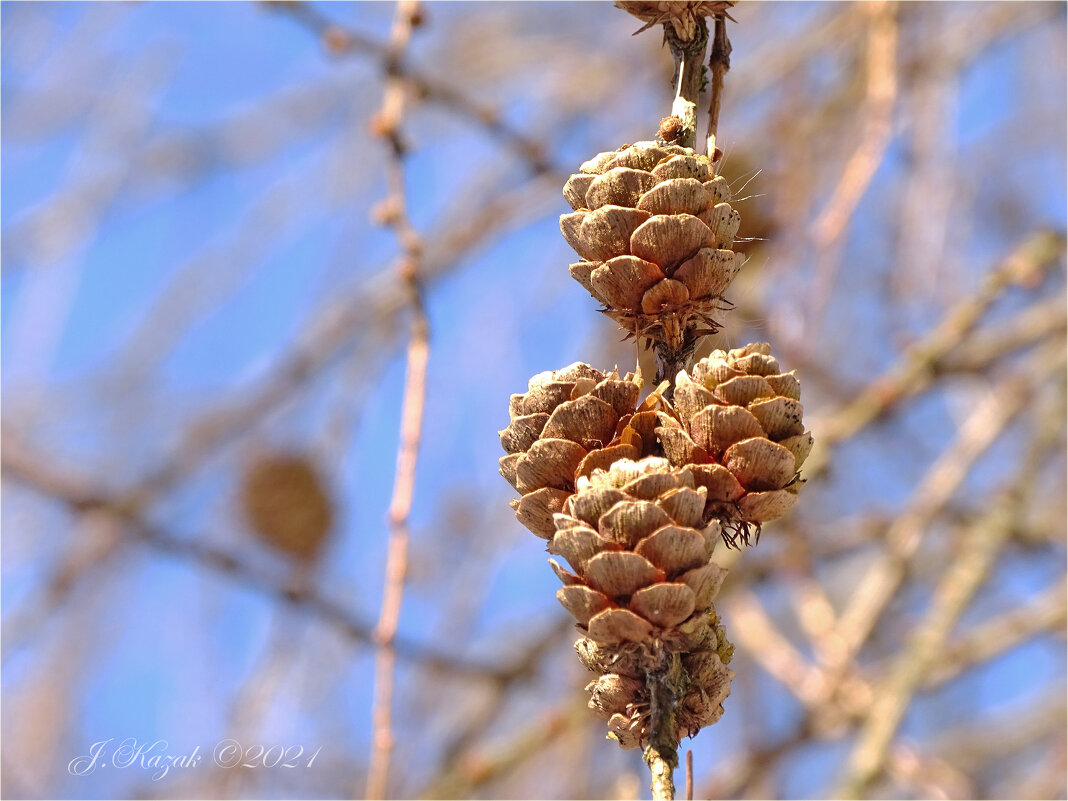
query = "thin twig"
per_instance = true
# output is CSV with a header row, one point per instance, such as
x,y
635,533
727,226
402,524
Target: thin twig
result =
x,y
719,61
330,329
98,546
753,630
1033,324
881,93
932,776
31,470
462,741
1019,726
387,124
961,581
666,687
466,774
736,773
343,40
1000,634
837,692
978,433
1036,254
813,606
862,165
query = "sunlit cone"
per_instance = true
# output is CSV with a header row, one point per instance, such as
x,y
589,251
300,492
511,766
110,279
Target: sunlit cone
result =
x,y
739,429
286,504
655,231
641,584
567,424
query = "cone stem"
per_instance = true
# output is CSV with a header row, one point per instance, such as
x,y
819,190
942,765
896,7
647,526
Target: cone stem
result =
x,y
666,687
669,362
663,770
689,66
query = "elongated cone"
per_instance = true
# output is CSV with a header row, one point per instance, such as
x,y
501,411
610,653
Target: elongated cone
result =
x,y
567,424
741,435
640,586
655,231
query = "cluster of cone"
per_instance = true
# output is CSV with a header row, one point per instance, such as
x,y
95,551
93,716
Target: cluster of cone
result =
x,y
635,496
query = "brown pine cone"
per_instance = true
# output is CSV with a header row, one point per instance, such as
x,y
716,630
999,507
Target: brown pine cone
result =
x,y
654,228
640,544
286,504
569,423
741,434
